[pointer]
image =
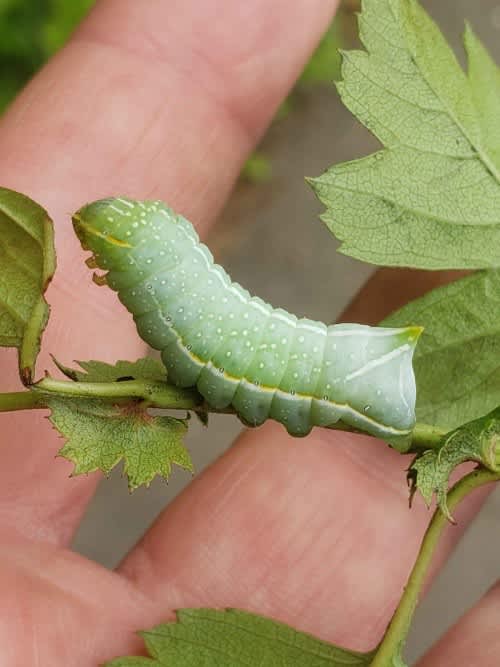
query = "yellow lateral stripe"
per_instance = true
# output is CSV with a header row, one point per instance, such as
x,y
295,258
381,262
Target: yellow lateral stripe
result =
x,y
106,237
263,387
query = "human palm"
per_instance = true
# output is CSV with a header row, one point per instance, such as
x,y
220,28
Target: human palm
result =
x,y
165,100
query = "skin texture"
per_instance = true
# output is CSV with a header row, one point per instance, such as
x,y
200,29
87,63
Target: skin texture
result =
x,y
314,532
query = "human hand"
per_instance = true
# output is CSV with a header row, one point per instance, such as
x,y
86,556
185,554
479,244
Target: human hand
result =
x,y
165,100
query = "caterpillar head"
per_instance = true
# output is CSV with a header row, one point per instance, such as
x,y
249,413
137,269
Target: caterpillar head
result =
x,y
105,229
114,228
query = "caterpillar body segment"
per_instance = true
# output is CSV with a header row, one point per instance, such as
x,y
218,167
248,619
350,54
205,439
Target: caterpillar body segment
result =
x,y
234,347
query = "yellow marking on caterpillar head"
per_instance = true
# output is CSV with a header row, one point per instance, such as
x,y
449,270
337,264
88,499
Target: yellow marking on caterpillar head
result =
x,y
82,228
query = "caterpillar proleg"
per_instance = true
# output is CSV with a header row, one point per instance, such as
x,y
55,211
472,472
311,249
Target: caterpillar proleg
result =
x,y
237,349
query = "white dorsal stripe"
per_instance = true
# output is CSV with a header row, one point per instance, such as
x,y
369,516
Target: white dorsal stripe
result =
x,y
125,202
370,365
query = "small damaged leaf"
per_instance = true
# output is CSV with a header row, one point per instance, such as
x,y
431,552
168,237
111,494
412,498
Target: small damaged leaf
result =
x,y
28,261
100,435
477,441
147,369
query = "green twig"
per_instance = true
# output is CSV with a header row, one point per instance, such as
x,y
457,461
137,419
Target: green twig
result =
x,y
399,626
21,400
425,436
156,394
159,395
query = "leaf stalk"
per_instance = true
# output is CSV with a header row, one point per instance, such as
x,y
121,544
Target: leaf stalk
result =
x,y
155,394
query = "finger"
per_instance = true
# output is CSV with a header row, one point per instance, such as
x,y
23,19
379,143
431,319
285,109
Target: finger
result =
x,y
149,100
61,609
314,532
474,640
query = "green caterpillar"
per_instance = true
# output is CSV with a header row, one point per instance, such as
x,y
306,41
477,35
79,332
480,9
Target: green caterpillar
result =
x,y
236,348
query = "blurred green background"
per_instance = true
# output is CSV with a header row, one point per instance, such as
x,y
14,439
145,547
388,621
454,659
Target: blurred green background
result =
x,y
30,32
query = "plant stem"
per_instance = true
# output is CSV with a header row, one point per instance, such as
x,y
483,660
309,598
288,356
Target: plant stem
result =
x,y
157,394
21,400
399,626
425,436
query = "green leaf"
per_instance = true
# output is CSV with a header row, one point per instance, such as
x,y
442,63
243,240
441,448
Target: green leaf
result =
x,y
31,31
478,441
431,198
233,638
147,369
484,77
457,359
27,258
100,435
